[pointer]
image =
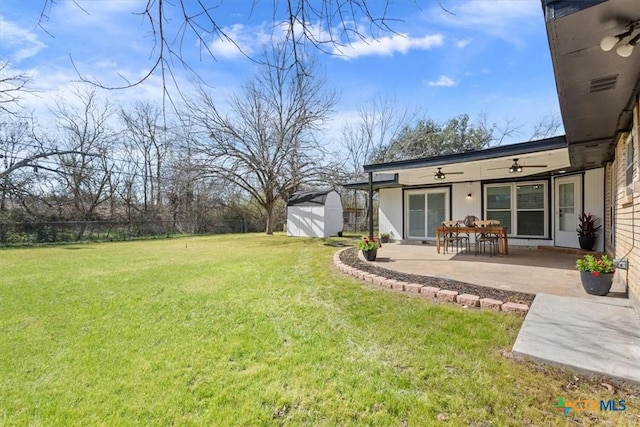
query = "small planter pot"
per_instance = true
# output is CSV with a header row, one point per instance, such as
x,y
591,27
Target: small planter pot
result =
x,y
370,255
596,285
384,239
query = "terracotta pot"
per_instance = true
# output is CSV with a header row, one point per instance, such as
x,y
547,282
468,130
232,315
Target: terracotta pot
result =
x,y
596,285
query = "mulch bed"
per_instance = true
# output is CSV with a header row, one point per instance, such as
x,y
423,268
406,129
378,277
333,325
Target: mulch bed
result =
x,y
350,257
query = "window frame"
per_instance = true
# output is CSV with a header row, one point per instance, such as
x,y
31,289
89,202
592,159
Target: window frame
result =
x,y
426,191
629,164
514,206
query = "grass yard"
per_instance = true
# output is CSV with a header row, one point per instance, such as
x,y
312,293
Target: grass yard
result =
x,y
254,330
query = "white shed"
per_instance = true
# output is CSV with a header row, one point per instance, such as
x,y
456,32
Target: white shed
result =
x,y
314,214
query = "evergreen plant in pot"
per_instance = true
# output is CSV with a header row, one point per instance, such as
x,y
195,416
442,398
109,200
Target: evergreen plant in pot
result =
x,y
596,274
384,237
587,231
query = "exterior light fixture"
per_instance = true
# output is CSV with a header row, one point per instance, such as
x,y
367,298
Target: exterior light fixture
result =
x,y
626,49
439,174
609,42
515,167
469,196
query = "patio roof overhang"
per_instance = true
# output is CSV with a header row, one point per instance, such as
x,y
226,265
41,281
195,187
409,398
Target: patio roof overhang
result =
x,y
489,164
595,88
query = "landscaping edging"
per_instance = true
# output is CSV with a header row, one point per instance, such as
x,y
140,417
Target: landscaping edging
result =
x,y
430,292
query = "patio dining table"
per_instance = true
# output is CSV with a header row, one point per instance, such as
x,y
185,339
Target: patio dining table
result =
x,y
503,242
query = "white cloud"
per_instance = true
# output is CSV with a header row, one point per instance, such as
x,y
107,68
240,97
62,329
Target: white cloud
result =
x,y
239,41
443,81
386,46
461,44
22,43
508,20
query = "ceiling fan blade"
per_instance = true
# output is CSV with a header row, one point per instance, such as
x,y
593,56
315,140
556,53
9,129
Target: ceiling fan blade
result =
x,y
522,166
445,173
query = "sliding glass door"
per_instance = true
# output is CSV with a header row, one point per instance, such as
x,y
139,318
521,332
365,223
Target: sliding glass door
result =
x,y
426,209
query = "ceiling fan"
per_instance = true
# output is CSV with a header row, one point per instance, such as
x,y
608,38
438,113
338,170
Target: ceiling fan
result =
x,y
441,175
516,167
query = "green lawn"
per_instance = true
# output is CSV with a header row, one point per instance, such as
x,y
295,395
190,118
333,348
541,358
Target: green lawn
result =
x,y
253,330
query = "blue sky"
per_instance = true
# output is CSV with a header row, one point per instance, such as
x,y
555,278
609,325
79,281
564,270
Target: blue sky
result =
x,y
475,57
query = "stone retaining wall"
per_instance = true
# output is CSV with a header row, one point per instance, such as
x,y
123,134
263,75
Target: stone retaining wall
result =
x,y
430,292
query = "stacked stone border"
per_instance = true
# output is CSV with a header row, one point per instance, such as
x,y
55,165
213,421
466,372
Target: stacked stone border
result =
x,y
430,292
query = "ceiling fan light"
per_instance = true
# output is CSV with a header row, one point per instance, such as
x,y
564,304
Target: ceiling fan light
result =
x,y
608,42
625,50
515,168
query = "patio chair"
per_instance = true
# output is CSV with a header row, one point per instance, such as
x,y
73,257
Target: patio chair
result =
x,y
486,234
454,237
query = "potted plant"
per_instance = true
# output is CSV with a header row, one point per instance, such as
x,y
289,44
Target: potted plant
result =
x,y
596,274
587,231
384,237
369,248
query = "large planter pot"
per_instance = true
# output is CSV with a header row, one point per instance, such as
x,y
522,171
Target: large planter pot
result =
x,y
596,285
587,243
370,255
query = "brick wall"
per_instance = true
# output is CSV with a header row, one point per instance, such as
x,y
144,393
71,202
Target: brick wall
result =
x,y
626,224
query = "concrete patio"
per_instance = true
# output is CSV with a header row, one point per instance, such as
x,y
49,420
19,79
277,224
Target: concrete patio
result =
x,y
523,269
564,326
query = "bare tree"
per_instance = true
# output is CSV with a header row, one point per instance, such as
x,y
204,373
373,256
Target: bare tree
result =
x,y
546,127
327,25
12,86
265,144
377,125
148,137
84,125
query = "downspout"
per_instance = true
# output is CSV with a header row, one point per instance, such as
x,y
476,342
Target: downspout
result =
x,y
370,208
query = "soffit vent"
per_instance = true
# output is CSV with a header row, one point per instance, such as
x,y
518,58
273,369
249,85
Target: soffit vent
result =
x,y
603,83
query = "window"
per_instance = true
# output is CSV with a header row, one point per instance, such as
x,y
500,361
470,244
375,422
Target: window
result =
x,y
629,164
521,207
499,205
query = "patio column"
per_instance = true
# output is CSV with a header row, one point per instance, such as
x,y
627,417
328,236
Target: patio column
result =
x,y
370,208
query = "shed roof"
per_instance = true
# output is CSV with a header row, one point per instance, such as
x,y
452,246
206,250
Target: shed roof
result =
x,y
309,198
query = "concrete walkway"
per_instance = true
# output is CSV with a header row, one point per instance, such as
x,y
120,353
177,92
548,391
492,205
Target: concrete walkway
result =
x,y
599,335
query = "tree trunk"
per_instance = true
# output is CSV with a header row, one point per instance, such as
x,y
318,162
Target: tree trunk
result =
x,y
269,220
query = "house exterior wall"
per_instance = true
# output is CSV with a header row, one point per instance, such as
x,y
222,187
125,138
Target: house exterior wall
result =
x,y
593,193
623,212
390,212
461,205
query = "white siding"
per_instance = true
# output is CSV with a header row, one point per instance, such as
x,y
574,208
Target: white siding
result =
x,y
316,221
462,206
594,200
390,212
305,221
